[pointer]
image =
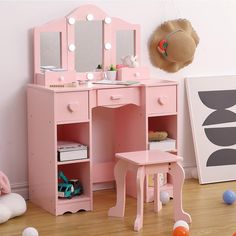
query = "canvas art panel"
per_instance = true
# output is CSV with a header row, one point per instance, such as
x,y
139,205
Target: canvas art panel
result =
x,y
212,109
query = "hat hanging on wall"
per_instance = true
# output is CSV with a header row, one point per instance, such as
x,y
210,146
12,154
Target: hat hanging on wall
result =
x,y
172,45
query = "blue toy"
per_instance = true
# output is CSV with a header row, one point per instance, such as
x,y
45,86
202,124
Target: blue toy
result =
x,y
68,188
229,197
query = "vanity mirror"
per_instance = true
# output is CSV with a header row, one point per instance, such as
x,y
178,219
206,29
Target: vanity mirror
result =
x,y
124,44
50,49
88,44
81,41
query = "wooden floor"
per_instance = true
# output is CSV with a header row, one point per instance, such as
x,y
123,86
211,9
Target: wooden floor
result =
x,y
211,217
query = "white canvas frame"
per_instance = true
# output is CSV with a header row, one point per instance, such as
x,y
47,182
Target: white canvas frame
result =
x,y
213,133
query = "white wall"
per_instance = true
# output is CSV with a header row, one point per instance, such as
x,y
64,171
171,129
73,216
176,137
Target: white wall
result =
x,y
213,20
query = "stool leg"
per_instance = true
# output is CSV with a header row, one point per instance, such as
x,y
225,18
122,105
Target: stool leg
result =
x,y
177,172
120,174
157,202
138,224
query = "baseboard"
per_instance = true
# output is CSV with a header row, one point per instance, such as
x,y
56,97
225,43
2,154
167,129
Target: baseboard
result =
x,y
21,188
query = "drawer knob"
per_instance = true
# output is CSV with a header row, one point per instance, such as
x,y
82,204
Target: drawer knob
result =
x,y
162,100
73,107
137,74
116,97
61,78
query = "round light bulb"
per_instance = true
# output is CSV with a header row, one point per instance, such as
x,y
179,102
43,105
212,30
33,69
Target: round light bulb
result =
x,y
72,47
89,17
71,20
108,20
108,46
90,76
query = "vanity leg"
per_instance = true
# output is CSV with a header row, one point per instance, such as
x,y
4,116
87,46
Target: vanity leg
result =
x,y
120,174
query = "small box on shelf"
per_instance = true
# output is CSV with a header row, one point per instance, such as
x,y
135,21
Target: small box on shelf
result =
x,y
68,151
128,73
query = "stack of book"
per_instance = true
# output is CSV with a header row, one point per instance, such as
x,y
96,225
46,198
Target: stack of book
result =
x,y
68,151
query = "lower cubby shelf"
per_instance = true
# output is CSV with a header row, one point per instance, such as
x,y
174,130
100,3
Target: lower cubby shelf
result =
x,y
77,171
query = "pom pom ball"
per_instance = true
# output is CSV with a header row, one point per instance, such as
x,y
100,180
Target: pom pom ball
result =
x,y
164,197
30,231
229,197
180,231
181,223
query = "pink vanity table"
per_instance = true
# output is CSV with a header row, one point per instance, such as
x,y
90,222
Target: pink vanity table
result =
x,y
106,118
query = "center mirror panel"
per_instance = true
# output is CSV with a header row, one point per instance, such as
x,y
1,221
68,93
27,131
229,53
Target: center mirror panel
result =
x,y
124,44
89,45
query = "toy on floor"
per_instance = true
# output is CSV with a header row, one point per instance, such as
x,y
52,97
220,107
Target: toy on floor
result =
x,y
30,231
180,231
4,184
181,223
229,197
181,228
164,197
11,204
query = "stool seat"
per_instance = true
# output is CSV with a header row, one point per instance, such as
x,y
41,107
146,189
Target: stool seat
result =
x,y
148,157
143,163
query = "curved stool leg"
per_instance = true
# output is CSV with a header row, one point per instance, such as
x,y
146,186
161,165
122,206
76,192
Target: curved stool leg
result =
x,y
177,172
120,174
138,224
157,201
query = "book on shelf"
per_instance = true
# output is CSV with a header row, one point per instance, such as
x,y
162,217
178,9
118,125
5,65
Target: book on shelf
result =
x,y
68,151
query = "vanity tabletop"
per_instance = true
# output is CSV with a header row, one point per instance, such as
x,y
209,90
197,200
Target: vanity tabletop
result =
x,y
93,86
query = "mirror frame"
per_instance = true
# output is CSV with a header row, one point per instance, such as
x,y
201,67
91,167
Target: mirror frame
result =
x,y
65,27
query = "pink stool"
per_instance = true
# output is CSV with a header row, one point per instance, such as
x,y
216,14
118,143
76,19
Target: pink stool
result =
x,y
143,163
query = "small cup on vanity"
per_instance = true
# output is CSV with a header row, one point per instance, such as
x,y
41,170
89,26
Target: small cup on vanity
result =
x,y
111,73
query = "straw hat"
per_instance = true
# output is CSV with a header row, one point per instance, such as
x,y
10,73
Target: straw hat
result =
x,y
172,45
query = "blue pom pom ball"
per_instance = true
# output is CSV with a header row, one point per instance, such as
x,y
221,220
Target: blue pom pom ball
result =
x,y
229,197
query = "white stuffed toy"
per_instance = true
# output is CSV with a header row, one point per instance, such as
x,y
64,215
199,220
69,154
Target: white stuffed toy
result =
x,y
130,61
11,204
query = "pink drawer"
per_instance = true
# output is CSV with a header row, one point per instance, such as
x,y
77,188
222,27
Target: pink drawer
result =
x,y
161,100
123,96
133,73
55,78
71,106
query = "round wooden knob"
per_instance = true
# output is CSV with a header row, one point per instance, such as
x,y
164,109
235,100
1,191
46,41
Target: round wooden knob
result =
x,y
162,100
73,107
